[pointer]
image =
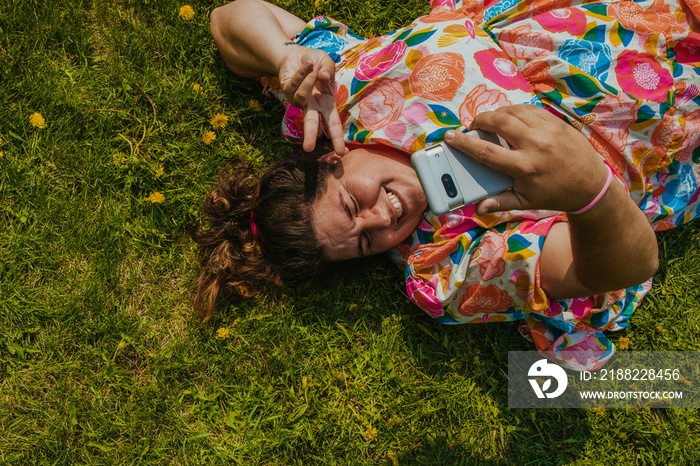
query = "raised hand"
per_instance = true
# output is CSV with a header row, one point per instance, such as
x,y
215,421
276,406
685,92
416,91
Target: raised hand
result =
x,y
307,78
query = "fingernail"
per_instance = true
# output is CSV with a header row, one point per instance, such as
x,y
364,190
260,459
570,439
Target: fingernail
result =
x,y
449,135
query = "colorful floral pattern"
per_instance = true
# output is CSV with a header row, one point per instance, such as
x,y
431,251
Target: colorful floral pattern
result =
x,y
481,99
626,74
563,20
592,58
643,77
437,76
380,104
375,64
500,70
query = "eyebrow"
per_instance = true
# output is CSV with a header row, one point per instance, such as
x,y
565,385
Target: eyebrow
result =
x,y
346,207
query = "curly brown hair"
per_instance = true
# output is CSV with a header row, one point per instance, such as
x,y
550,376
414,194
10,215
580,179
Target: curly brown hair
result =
x,y
235,263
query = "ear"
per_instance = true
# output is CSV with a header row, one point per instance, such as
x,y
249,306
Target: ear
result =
x,y
330,157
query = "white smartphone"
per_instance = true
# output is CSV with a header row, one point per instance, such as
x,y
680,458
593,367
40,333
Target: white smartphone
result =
x,y
451,179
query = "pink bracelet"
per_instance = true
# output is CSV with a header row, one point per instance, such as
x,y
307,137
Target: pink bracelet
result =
x,y
598,197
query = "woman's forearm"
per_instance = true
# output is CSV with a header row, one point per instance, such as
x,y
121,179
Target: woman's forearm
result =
x,y
252,36
613,244
610,247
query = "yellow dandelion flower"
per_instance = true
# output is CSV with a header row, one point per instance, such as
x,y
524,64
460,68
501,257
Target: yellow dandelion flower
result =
x,y
209,137
186,12
118,158
159,171
156,198
219,121
37,120
196,88
0,141
254,104
371,433
623,343
317,3
2,154
222,332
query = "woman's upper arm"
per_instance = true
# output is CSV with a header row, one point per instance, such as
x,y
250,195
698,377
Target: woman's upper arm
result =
x,y
557,275
291,24
221,16
251,36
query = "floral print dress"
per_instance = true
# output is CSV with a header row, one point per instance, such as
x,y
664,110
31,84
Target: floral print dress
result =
x,y
626,74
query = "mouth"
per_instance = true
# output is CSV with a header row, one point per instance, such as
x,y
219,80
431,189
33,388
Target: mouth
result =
x,y
396,202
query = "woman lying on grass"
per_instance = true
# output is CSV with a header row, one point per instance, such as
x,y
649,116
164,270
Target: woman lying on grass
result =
x,y
569,250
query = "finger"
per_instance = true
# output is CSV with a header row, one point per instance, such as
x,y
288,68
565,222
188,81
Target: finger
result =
x,y
338,143
543,113
293,83
335,131
488,153
305,88
527,113
514,126
503,202
310,129
506,121
324,81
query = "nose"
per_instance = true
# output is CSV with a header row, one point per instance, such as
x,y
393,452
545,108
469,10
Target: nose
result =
x,y
376,218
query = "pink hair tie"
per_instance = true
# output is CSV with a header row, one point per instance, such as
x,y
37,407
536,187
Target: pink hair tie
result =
x,y
598,197
253,226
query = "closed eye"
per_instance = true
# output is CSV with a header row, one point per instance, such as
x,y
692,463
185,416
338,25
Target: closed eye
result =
x,y
356,207
364,235
355,204
368,243
360,250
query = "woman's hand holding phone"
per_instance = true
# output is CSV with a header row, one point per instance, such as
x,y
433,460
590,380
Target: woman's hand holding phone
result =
x,y
553,166
609,247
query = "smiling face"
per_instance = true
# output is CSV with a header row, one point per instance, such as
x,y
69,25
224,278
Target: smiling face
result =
x,y
373,201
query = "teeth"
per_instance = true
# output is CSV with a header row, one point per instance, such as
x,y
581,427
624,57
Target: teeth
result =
x,y
396,203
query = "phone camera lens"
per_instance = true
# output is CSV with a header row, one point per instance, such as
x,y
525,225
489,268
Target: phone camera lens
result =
x,y
449,185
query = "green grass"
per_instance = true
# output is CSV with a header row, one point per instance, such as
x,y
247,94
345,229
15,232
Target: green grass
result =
x,y
101,358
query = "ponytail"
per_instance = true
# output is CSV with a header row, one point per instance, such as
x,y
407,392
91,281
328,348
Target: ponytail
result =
x,y
259,231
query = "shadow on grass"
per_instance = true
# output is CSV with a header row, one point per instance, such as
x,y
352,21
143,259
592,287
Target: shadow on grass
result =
x,y
258,117
476,355
674,245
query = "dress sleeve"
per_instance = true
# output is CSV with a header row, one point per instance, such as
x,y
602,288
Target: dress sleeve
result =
x,y
464,268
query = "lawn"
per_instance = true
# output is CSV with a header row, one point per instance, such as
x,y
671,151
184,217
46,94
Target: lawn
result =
x,y
102,360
